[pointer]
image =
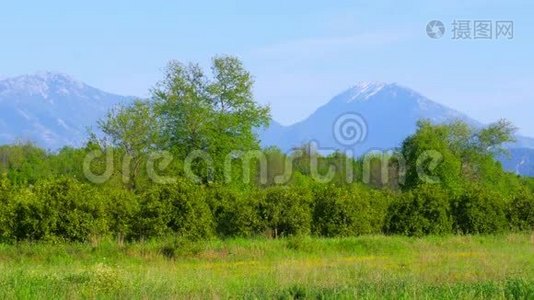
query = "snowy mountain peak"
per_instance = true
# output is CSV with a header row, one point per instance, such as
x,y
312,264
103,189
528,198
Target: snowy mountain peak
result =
x,y
367,85
363,90
56,77
41,84
51,109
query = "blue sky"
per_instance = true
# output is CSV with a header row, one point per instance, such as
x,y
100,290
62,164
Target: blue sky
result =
x,y
301,53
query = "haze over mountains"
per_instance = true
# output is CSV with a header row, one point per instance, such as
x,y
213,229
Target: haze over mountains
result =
x,y
54,110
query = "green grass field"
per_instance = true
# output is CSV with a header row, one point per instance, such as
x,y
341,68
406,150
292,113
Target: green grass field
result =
x,y
364,267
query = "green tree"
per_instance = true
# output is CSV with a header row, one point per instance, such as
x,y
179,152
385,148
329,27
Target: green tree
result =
x,y
276,166
430,157
214,115
25,163
492,138
132,129
68,162
455,153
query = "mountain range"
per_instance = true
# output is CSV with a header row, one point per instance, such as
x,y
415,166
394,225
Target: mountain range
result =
x,y
51,109
55,110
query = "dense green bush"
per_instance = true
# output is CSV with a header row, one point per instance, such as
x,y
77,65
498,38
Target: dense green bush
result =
x,y
520,211
153,216
57,209
24,217
5,194
80,208
424,210
339,211
179,208
286,211
65,209
121,210
235,211
478,210
375,204
5,187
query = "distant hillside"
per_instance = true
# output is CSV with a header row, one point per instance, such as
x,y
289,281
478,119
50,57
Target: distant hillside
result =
x,y
519,161
50,109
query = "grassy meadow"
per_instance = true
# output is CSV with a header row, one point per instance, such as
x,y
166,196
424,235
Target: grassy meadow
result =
x,y
375,267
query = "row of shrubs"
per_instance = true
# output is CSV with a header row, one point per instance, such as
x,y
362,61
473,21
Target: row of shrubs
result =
x,y
67,210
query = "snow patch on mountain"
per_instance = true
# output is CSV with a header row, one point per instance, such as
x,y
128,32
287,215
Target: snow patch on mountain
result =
x,y
364,90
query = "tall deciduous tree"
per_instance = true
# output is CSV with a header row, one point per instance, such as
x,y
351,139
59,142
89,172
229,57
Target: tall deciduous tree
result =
x,y
133,129
458,152
216,115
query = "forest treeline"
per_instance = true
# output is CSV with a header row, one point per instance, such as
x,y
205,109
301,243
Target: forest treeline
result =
x,y
443,179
